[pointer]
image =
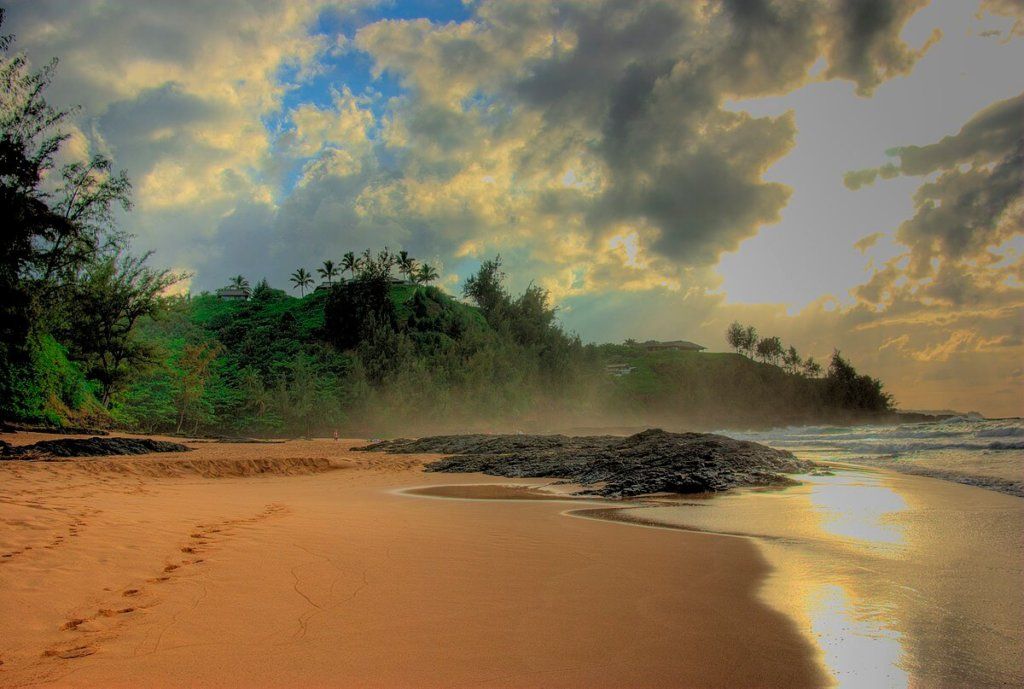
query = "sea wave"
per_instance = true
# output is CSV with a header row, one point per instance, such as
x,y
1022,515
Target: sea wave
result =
x,y
958,433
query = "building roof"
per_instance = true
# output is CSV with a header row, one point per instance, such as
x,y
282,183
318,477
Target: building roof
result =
x,y
232,292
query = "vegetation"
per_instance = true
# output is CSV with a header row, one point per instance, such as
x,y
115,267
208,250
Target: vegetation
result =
x,y
843,388
90,335
61,252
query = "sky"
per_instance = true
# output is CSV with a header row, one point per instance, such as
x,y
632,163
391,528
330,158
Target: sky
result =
x,y
840,173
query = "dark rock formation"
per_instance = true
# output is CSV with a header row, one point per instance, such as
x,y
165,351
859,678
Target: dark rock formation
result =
x,y
89,447
653,461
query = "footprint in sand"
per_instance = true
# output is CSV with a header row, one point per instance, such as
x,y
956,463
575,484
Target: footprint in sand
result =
x,y
188,549
107,612
171,568
68,653
131,592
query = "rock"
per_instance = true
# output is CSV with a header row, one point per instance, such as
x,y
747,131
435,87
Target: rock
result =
x,y
653,461
89,447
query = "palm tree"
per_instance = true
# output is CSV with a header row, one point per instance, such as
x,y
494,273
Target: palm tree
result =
x,y
328,272
350,263
302,280
406,264
239,282
426,274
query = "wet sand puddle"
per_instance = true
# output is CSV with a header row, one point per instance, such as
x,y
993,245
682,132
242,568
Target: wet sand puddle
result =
x,y
901,581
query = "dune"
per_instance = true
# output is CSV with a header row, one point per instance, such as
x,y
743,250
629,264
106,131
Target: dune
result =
x,y
306,564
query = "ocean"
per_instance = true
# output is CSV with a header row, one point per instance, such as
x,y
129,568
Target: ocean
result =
x,y
900,581
988,453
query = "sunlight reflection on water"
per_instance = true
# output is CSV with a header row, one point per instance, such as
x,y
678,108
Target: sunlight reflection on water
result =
x,y
860,648
899,580
857,507
858,651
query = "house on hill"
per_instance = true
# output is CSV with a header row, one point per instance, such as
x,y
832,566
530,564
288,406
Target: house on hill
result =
x,y
233,293
619,370
677,345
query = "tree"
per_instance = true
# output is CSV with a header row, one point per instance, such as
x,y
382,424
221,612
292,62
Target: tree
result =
x,y
50,231
239,282
301,279
812,369
349,263
55,221
848,390
359,305
114,292
485,287
769,350
425,274
736,336
328,272
791,359
750,340
385,261
406,264
193,373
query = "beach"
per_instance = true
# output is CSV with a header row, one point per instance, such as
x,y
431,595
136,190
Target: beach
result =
x,y
174,570
303,563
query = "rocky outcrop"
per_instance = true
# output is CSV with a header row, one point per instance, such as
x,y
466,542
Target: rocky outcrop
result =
x,y
653,461
89,447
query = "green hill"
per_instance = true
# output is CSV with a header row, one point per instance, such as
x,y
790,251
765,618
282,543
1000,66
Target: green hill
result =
x,y
718,390
371,357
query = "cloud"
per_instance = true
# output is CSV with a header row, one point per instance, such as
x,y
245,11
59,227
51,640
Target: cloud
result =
x,y
629,97
603,147
866,243
867,47
987,136
1005,8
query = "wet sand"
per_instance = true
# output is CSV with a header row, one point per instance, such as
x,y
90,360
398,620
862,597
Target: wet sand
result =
x,y
901,581
304,564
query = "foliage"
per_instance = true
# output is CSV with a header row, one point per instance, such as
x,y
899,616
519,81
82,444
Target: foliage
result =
x,y
846,389
355,309
64,270
47,386
302,279
104,304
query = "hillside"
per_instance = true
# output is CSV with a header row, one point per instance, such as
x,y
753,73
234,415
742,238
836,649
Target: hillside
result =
x,y
371,356
719,390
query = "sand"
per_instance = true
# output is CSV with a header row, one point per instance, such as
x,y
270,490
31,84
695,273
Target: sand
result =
x,y
304,564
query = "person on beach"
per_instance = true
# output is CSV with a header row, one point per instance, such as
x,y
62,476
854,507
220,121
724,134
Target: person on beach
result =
x,y
335,435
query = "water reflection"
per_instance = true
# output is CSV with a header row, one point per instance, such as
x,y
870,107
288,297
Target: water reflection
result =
x,y
858,507
859,652
900,580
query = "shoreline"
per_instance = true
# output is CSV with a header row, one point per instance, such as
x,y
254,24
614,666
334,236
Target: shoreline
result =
x,y
332,579
808,585
873,589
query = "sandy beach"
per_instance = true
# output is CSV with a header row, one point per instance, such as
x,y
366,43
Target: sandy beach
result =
x,y
305,564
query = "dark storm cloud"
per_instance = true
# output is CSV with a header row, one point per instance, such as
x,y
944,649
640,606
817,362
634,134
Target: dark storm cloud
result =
x,y
956,253
975,203
640,88
866,46
991,134
156,123
963,213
